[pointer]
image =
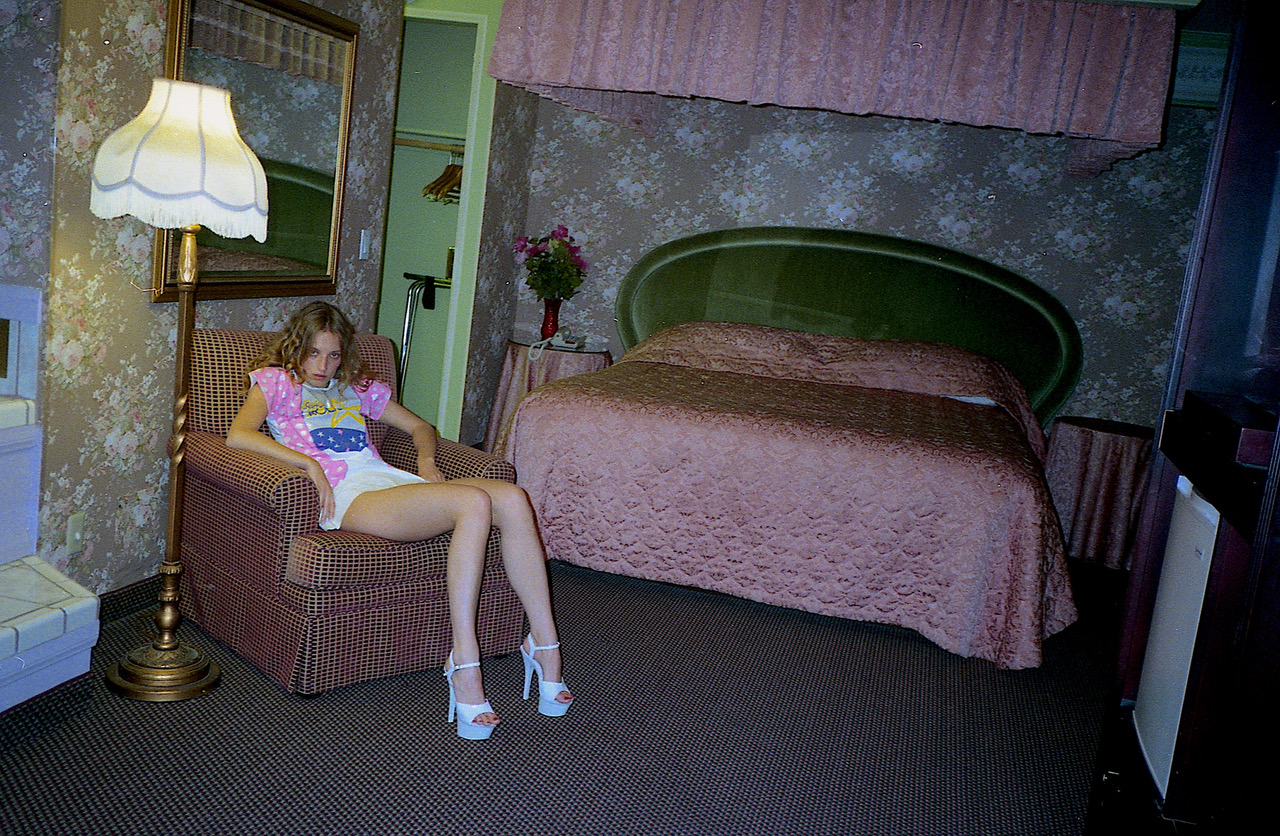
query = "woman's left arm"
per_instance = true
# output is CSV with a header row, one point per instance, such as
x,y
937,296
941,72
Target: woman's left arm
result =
x,y
424,438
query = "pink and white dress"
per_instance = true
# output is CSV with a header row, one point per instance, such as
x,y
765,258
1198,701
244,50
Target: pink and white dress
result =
x,y
329,426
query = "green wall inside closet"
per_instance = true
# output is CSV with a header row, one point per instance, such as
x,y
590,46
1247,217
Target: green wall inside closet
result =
x,y
433,105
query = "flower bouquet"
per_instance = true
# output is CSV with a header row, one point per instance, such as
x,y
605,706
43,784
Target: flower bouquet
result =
x,y
555,268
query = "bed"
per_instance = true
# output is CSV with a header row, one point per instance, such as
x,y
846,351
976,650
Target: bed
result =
x,y
842,423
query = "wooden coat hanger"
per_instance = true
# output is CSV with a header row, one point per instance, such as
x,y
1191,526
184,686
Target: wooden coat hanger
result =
x,y
448,186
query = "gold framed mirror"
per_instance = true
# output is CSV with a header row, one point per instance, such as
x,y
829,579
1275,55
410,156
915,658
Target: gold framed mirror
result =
x,y
288,66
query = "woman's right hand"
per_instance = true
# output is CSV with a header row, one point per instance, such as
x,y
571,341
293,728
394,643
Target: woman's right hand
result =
x,y
323,488
244,435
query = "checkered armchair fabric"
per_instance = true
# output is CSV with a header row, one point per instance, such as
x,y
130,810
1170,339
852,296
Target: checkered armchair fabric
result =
x,y
314,609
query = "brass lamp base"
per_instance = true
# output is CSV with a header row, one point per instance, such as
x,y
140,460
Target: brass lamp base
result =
x,y
155,675
167,670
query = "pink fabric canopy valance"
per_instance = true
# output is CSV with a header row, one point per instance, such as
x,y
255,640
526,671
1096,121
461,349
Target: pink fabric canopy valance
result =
x,y
1078,69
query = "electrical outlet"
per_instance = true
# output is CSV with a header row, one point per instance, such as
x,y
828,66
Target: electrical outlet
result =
x,y
75,533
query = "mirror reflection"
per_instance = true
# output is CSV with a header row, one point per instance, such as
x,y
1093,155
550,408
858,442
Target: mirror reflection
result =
x,y
288,68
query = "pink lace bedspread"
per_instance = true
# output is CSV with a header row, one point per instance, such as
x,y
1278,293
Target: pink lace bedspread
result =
x,y
884,481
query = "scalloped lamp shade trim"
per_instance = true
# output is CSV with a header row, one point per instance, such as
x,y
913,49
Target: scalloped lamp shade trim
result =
x,y
180,162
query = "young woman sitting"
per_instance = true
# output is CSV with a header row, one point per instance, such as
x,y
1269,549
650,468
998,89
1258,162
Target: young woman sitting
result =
x,y
310,388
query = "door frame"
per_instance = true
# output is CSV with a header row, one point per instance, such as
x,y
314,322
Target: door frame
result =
x,y
483,14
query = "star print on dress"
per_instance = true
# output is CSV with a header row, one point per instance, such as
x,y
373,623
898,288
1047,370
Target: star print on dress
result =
x,y
339,440
334,420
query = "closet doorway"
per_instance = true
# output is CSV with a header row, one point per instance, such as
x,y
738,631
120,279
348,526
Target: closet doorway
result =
x,y
444,117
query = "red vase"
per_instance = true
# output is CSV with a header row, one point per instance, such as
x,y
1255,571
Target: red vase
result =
x,y
550,317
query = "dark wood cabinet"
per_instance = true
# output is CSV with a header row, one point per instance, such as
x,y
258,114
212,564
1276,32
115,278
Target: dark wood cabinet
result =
x,y
1227,351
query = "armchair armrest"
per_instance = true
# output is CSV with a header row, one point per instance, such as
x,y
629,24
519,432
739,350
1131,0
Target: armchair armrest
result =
x,y
245,508
261,480
456,461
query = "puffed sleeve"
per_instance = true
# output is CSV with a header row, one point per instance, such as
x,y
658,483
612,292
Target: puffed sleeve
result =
x,y
272,381
374,399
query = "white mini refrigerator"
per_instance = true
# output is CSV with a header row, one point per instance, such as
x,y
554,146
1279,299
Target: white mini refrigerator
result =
x,y
1156,712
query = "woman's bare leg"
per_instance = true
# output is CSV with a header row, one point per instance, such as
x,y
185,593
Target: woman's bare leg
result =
x,y
525,563
417,512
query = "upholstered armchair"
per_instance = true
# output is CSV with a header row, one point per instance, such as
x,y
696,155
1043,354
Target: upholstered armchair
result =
x,y
315,609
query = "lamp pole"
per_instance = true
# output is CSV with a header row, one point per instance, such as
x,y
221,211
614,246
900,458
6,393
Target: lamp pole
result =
x,y
179,163
166,669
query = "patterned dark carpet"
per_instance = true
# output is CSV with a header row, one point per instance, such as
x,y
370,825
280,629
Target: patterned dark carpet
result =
x,y
696,714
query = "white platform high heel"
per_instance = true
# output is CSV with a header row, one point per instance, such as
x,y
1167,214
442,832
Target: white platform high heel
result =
x,y
548,705
468,728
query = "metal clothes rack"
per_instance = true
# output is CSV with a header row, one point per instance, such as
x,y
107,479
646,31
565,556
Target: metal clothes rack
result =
x,y
422,291
429,145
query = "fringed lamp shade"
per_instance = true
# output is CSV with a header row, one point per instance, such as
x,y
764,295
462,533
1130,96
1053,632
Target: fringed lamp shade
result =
x,y
181,162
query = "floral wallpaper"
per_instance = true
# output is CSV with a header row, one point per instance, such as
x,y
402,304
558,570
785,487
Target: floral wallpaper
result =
x,y
108,359
28,62
1112,248
279,115
506,198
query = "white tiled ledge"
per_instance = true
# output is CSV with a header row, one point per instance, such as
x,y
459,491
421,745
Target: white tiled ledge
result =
x,y
16,412
48,625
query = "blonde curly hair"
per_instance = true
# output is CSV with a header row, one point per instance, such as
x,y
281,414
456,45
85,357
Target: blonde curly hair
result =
x,y
289,348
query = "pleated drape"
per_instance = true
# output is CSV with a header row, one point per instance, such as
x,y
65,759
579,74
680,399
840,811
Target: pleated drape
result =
x,y
247,33
1077,69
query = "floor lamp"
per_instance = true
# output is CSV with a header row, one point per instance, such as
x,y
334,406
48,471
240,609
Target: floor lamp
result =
x,y
180,164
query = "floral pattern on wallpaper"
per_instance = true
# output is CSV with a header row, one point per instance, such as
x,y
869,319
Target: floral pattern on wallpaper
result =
x,y
109,351
1111,248
281,116
515,116
28,50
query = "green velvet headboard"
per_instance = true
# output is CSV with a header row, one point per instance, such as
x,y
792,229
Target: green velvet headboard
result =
x,y
857,284
299,216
